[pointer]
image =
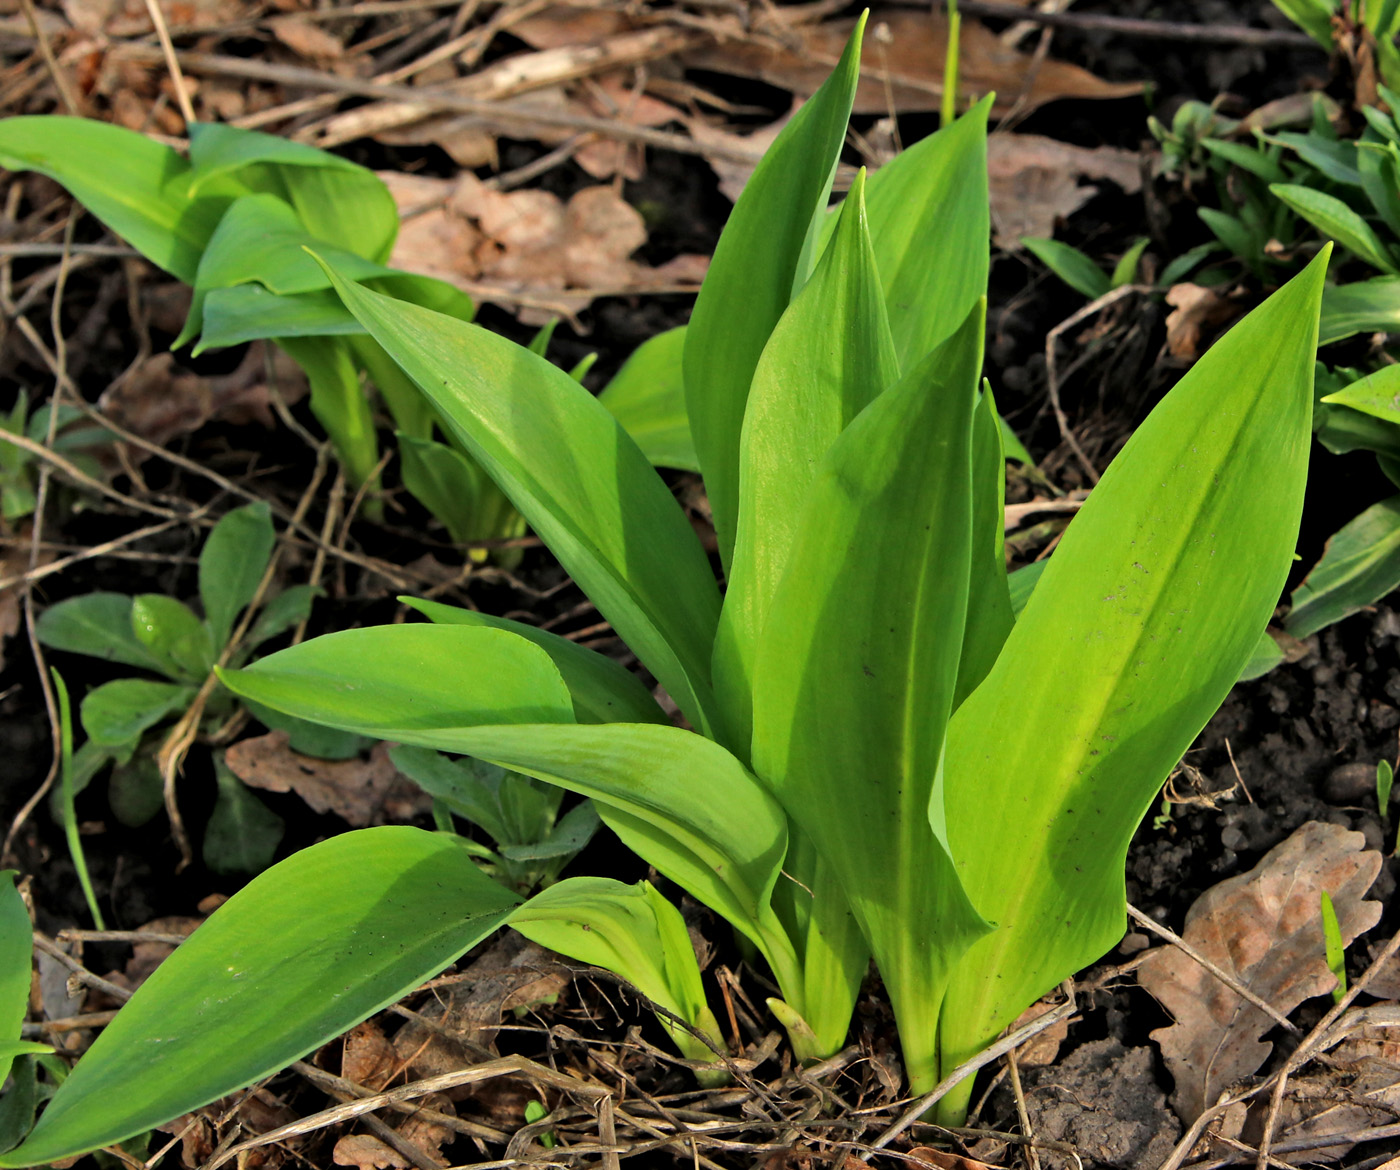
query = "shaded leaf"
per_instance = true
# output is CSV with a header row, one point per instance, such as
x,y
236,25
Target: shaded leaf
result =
x,y
116,713
1359,566
232,563
242,833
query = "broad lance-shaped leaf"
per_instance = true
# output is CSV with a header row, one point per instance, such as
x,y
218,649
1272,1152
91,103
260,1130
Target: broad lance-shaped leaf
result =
x,y
679,800
647,396
929,226
603,690
410,683
634,932
763,257
856,671
1138,627
829,357
577,477
1359,566
303,952
989,616
16,959
231,565
137,187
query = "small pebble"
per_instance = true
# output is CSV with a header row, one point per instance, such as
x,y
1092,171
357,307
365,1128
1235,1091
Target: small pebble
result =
x,y
1133,942
1372,832
1349,784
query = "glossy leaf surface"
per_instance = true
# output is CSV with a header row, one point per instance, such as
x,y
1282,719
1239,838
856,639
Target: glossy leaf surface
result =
x,y
603,690
829,357
98,624
647,396
305,951
1153,603
856,672
762,259
595,501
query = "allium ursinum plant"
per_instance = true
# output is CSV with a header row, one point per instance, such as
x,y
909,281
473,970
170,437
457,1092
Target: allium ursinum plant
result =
x,y
879,759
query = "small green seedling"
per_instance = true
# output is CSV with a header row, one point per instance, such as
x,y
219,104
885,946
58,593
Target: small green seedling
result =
x,y
74,438
163,636
533,842
881,759
1385,779
534,1111
1336,950
1080,272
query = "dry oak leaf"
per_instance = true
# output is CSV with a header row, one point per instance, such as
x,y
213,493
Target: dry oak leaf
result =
x,y
1034,181
367,1057
799,58
1264,927
368,1152
1195,310
360,792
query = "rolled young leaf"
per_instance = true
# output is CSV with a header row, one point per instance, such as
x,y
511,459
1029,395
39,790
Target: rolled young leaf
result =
x,y
761,261
595,500
856,670
305,951
828,358
1141,622
634,932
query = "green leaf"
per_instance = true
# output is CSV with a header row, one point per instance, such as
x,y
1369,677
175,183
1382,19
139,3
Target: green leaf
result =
x,y
1335,948
1267,655
448,484
1179,268
597,503
261,239
1314,17
303,952
352,209
1359,566
1335,220
1248,158
136,186
856,669
634,932
512,809
16,962
116,713
134,790
1152,604
647,396
1336,160
231,565
338,401
830,355
989,616
413,413
1363,306
248,312
1231,232
1125,271
243,833
762,259
401,682
176,638
289,608
17,1106
1376,394
603,690
310,739
96,624
570,834
929,225
1070,265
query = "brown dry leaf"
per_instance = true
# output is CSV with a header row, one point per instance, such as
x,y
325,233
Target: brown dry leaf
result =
x,y
946,1159
1385,983
733,175
306,39
1033,181
1264,927
1044,1046
260,1111
557,28
160,401
428,1135
123,19
1195,310
360,792
527,248
367,1152
1358,1087
612,96
512,972
912,60
367,1057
